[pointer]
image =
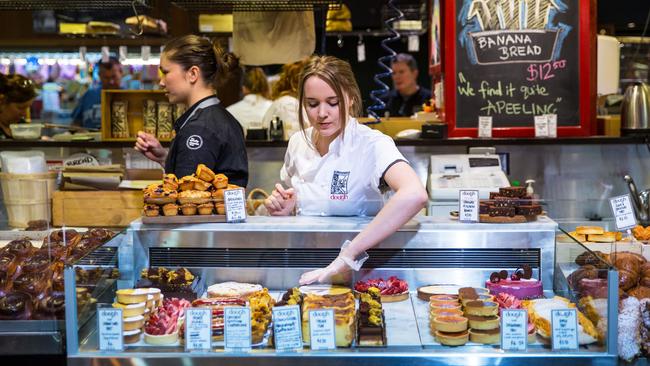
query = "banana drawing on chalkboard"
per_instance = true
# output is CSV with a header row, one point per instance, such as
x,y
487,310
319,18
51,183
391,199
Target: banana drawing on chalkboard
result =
x,y
512,31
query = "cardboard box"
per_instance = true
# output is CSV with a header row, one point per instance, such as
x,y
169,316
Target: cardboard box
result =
x,y
96,208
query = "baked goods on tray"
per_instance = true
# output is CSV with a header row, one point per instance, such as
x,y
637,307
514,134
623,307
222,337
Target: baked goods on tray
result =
x,y
509,205
344,315
233,289
371,324
393,289
198,194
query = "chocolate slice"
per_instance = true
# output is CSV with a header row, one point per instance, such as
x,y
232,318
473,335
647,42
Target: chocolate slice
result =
x,y
515,192
501,211
529,210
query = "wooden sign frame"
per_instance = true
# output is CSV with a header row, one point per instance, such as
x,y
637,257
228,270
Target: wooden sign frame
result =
x,y
587,77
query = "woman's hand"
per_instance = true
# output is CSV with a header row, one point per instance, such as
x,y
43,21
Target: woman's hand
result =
x,y
150,147
281,202
338,266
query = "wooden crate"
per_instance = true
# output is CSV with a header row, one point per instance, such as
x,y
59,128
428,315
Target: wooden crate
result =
x,y
391,126
135,100
96,208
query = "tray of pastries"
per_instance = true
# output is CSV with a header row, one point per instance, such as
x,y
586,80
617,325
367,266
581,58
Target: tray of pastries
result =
x,y
196,198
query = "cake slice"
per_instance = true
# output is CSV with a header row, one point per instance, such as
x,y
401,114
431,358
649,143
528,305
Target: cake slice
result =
x,y
344,315
371,329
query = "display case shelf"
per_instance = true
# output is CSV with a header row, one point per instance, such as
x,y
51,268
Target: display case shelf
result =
x,y
70,4
229,6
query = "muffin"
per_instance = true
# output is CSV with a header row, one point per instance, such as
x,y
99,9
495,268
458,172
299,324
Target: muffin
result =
x,y
188,209
196,197
220,181
151,210
170,209
217,195
221,208
205,208
186,183
170,182
200,185
204,173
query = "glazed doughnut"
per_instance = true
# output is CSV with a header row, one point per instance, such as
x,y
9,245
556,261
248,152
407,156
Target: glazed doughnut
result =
x,y
16,306
101,234
20,248
34,283
37,263
51,306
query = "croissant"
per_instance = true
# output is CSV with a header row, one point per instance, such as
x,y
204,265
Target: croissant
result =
x,y
645,275
640,292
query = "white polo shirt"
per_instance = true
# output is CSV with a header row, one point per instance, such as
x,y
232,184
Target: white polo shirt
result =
x,y
346,180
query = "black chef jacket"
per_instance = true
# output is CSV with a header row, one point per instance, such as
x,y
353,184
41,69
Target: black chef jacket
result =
x,y
210,136
397,105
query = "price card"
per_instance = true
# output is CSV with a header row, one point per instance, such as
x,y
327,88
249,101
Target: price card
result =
x,y
82,53
109,321
361,52
623,212
106,53
468,206
287,328
541,126
321,329
198,329
145,52
485,126
237,328
552,125
122,51
564,332
414,43
235,202
514,330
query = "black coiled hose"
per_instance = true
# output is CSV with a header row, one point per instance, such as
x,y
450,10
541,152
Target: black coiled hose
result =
x,y
384,63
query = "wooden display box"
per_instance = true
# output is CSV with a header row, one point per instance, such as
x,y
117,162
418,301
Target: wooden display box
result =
x,y
96,208
135,100
391,126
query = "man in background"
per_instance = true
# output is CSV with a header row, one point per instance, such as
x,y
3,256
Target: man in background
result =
x,y
407,96
88,113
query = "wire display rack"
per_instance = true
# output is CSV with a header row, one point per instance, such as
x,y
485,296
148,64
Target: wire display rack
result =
x,y
229,6
70,4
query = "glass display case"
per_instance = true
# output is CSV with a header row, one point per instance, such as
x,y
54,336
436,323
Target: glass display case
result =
x,y
273,252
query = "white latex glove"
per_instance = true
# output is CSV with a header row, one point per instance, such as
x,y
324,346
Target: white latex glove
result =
x,y
343,263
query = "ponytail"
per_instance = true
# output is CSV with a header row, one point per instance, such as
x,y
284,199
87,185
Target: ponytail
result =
x,y
192,50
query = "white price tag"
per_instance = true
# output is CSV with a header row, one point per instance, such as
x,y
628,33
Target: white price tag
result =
x,y
623,212
541,126
468,206
514,330
82,53
106,54
145,52
237,328
564,329
109,321
414,43
552,125
321,329
485,126
122,51
198,329
361,52
235,202
287,328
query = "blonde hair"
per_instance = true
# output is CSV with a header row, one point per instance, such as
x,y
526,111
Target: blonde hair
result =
x,y
255,81
287,84
339,76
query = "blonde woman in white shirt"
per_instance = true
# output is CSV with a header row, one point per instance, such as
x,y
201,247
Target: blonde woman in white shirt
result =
x,y
337,166
256,101
285,99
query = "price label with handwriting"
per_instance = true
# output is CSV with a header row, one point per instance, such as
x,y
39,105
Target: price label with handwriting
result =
x,y
623,212
514,330
468,206
485,126
109,322
552,125
198,329
237,328
235,202
564,325
322,330
287,328
541,126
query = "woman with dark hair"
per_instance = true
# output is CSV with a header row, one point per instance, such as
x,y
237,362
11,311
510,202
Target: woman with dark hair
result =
x,y
16,96
206,133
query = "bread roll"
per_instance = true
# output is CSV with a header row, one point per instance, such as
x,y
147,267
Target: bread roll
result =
x,y
587,230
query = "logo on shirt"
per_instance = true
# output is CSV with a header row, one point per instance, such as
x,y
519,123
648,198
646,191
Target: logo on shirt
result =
x,y
194,142
339,188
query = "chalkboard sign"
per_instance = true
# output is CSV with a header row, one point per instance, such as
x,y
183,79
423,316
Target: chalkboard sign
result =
x,y
517,59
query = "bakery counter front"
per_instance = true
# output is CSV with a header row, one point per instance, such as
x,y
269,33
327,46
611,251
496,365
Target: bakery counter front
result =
x,y
436,292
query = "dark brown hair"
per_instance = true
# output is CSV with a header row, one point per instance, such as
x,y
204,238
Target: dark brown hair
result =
x,y
108,65
255,81
407,59
339,76
16,88
192,50
289,79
